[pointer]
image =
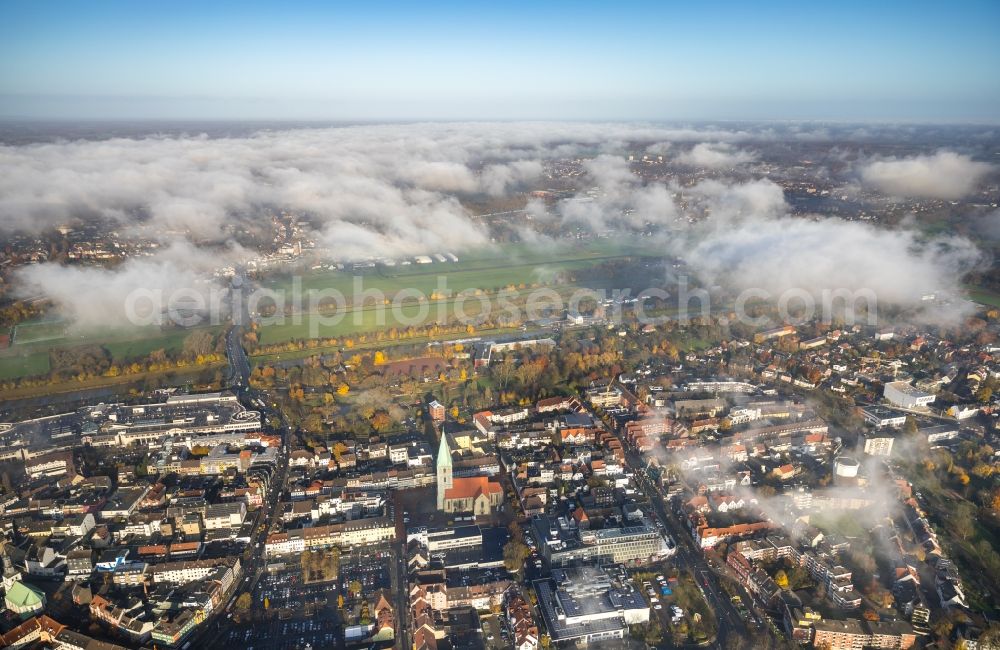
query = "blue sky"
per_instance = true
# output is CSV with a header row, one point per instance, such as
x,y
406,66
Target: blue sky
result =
x,y
881,61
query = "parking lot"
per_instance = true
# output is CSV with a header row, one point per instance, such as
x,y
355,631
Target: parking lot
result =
x,y
371,568
286,591
298,616
311,634
307,617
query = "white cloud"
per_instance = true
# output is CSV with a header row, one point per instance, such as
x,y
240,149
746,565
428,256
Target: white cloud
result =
x,y
139,291
205,185
943,175
750,241
497,180
390,190
716,156
621,200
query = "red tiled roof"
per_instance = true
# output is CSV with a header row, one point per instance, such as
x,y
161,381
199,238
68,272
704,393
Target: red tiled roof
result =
x,y
43,623
472,486
157,549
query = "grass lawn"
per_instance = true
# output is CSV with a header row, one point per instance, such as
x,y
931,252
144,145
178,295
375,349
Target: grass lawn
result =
x,y
839,523
984,297
486,270
121,342
390,282
25,360
13,366
687,342
370,319
170,341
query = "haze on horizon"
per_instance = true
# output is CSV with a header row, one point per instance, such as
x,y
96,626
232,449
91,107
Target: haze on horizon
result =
x,y
849,61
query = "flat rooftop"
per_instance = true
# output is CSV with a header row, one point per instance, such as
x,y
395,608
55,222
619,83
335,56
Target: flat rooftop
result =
x,y
553,603
907,388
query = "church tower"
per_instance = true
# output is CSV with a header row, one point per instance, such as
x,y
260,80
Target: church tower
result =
x,y
444,480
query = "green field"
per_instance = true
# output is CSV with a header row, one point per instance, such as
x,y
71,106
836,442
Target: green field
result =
x,y
983,297
488,271
23,365
838,523
373,318
121,343
45,334
356,321
171,341
25,359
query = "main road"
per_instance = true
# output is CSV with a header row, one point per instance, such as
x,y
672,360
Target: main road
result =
x,y
689,556
239,363
255,560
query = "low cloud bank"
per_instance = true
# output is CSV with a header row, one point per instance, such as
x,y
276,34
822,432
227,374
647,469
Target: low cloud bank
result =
x,y
716,156
942,175
393,190
140,291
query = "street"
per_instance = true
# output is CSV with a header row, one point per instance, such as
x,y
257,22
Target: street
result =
x,y
690,557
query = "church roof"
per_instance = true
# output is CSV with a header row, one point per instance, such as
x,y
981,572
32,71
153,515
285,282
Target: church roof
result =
x,y
471,486
21,595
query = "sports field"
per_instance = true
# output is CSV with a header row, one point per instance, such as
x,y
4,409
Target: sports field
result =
x,y
487,271
39,331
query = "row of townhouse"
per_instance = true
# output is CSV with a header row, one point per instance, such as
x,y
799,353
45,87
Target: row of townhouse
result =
x,y
194,570
361,532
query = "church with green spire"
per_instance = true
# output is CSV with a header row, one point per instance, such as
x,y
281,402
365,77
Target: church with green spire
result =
x,y
476,494
445,481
